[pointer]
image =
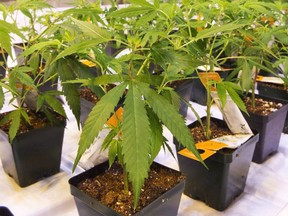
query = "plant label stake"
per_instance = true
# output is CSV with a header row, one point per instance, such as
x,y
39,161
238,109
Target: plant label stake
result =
x,y
232,116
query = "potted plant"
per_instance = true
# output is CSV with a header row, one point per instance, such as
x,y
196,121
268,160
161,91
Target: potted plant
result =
x,y
227,171
263,48
274,84
148,103
32,132
228,167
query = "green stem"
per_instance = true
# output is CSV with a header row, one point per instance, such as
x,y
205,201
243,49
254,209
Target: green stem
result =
x,y
143,65
126,182
208,113
253,88
222,51
211,63
187,18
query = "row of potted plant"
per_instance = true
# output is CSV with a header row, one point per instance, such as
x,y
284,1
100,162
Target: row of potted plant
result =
x,y
156,46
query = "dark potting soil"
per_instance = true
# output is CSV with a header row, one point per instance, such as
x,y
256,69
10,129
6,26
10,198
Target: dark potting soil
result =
x,y
88,95
262,106
37,120
108,188
217,130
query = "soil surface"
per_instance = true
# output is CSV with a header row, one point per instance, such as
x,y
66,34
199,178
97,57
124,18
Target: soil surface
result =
x,y
262,106
108,188
88,95
37,120
218,129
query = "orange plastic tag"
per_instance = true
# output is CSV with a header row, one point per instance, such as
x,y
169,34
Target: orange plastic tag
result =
x,y
115,118
209,147
259,78
209,76
207,153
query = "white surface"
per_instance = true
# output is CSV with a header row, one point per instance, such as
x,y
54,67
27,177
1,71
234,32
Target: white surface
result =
x,y
265,193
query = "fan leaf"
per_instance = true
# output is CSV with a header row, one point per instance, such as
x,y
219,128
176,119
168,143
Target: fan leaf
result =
x,y
70,90
157,138
15,117
97,119
93,31
136,139
170,117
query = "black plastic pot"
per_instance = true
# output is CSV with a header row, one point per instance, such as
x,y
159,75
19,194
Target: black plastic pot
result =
x,y
2,68
184,90
277,93
48,85
268,91
4,211
198,93
167,204
225,178
34,155
112,49
86,107
270,128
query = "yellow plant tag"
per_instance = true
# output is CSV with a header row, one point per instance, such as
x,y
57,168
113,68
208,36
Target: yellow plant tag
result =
x,y
88,63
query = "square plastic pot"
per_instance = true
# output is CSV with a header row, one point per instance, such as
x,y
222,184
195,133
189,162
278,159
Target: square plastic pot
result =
x,y
167,204
2,68
224,180
4,211
184,91
269,128
34,155
279,94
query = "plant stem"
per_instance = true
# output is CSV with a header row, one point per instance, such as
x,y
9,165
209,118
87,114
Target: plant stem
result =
x,y
253,88
143,65
211,63
208,113
125,179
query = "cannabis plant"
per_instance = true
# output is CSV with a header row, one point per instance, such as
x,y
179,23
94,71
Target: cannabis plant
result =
x,y
25,79
261,45
209,36
146,31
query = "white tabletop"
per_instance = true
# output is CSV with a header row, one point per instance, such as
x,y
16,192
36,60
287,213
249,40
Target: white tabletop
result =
x,y
265,193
